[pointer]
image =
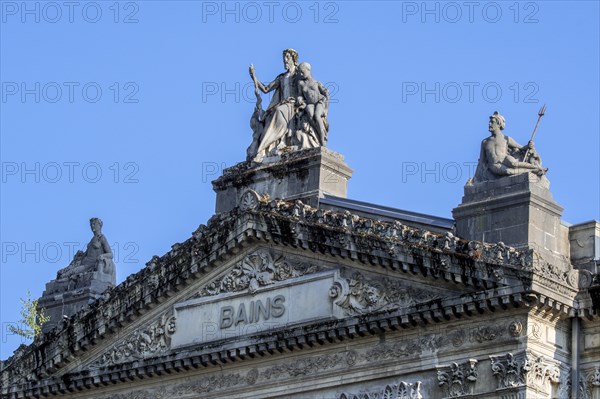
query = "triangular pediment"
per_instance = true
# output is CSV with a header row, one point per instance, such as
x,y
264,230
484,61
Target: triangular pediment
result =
x,y
265,290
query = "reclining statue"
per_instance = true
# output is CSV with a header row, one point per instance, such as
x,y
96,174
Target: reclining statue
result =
x,y
502,156
97,257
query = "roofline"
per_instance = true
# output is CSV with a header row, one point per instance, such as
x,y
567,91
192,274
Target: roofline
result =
x,y
387,211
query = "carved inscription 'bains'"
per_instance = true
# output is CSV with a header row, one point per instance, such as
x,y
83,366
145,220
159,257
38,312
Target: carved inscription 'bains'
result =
x,y
230,316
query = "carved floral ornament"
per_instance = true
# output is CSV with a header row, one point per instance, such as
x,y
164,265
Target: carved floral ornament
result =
x,y
523,369
258,269
589,383
401,390
147,341
221,381
355,295
250,199
456,379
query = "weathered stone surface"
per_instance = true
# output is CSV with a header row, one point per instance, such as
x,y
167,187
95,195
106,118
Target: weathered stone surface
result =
x,y
89,274
280,297
304,175
502,156
296,118
584,241
424,292
516,210
271,307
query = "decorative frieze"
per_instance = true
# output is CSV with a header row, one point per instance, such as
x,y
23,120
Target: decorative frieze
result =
x,y
429,343
477,334
358,295
305,366
297,368
432,343
402,390
457,380
151,340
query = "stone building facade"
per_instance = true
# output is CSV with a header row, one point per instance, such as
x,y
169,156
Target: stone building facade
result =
x,y
276,298
292,290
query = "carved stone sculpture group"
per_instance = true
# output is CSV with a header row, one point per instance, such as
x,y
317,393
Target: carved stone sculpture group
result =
x,y
296,118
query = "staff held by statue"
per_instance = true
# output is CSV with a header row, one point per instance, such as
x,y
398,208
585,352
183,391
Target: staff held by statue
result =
x,y
541,113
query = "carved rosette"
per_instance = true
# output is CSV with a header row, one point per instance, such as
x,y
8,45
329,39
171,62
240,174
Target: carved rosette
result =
x,y
152,340
358,295
457,380
525,369
402,390
258,269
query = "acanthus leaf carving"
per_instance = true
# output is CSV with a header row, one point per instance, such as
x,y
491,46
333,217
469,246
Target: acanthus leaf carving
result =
x,y
589,383
525,369
401,390
148,341
457,380
250,199
258,269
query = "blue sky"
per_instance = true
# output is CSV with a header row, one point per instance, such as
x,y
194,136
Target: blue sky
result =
x,y
127,110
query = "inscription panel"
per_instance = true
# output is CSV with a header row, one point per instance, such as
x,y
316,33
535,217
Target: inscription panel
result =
x,y
276,306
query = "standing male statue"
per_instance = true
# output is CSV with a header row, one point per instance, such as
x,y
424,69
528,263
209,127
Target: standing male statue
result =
x,y
291,121
502,156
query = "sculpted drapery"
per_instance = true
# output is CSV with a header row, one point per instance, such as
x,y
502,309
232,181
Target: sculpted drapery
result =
x,y
290,120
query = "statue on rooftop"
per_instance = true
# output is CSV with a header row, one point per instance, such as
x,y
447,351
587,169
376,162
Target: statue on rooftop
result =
x,y
83,281
296,118
502,156
97,257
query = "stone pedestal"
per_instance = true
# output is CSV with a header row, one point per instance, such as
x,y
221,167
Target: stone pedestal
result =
x,y
306,175
67,296
517,210
585,245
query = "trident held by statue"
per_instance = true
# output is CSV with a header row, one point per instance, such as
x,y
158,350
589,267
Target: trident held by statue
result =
x,y
541,113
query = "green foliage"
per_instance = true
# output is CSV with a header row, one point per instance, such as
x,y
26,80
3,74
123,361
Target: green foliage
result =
x,y
30,326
